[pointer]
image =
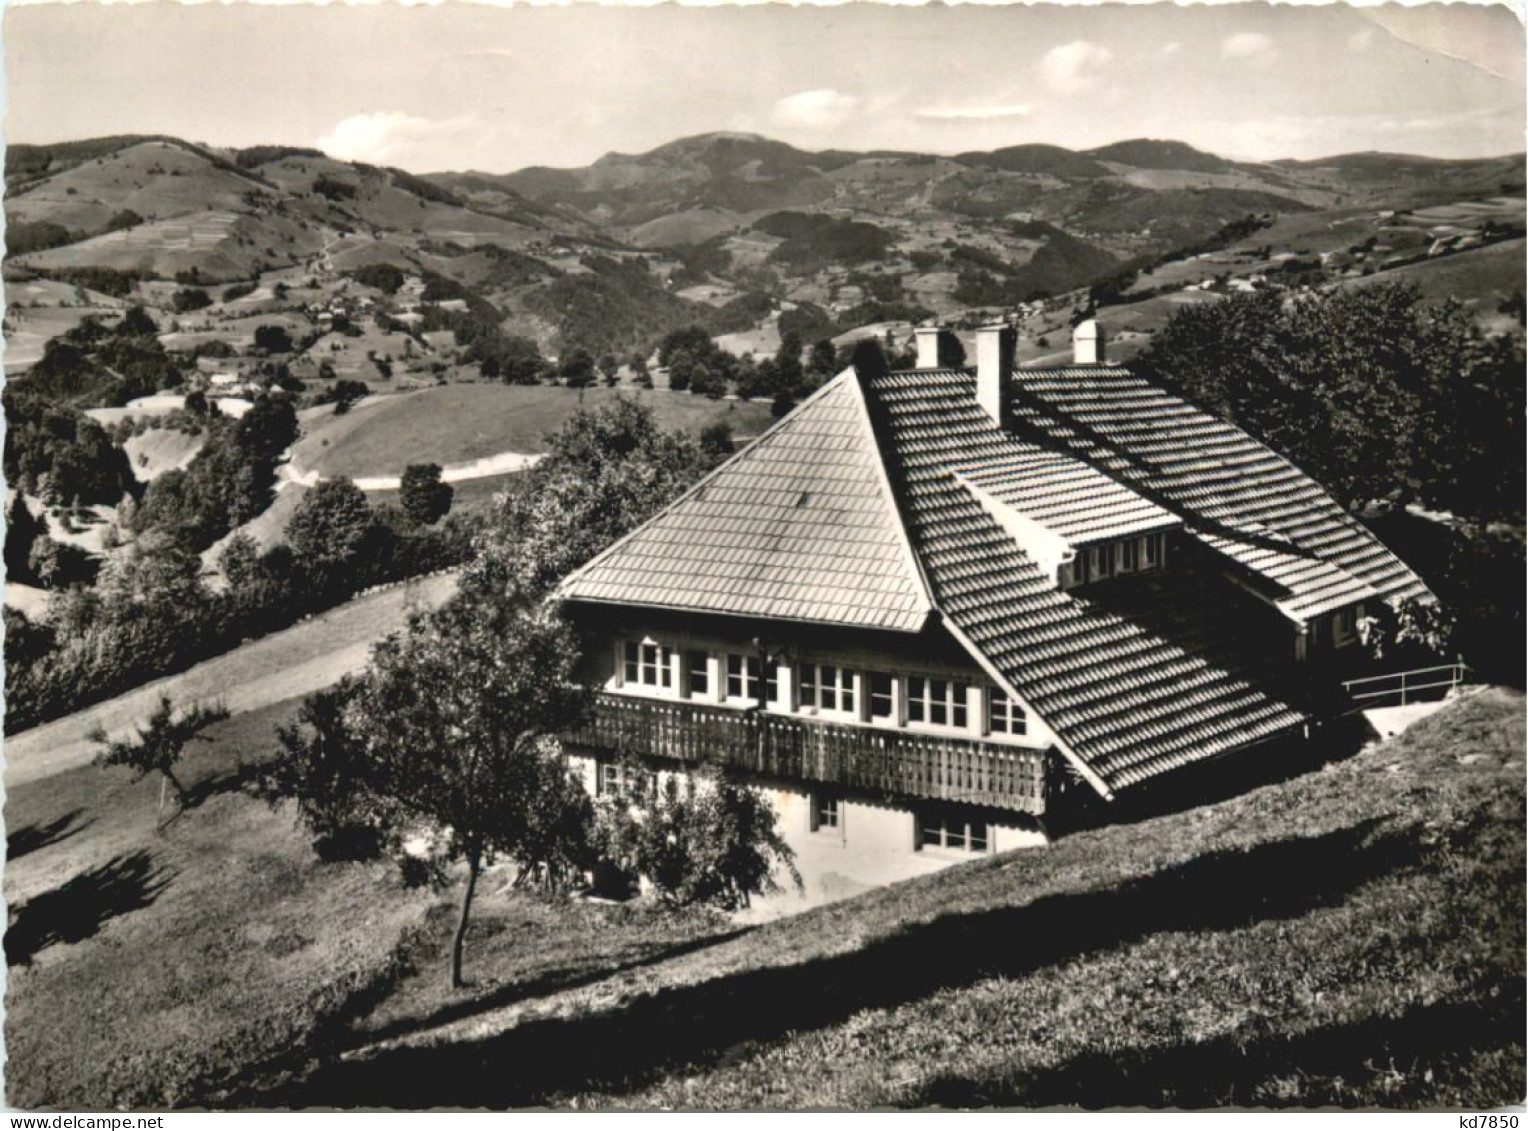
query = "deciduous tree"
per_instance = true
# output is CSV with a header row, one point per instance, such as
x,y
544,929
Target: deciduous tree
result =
x,y
159,743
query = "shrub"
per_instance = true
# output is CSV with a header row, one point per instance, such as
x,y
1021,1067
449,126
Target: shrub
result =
x,y
708,839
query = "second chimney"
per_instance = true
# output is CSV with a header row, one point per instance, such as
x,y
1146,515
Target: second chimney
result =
x,y
1087,344
994,370
927,338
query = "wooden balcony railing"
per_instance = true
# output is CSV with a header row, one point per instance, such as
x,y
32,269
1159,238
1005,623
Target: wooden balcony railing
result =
x,y
898,762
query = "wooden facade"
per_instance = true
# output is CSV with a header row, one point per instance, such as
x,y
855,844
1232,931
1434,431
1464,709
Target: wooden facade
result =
x,y
867,759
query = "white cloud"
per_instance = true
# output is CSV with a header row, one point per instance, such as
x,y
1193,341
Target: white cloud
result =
x,y
387,137
973,113
1069,67
823,109
1250,46
1170,49
1360,40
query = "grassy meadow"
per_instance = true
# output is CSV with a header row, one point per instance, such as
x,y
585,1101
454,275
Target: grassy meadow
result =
x,y
453,424
1352,937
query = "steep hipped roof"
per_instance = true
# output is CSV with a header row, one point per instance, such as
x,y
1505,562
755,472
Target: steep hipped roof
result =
x,y
1137,677
1244,500
799,525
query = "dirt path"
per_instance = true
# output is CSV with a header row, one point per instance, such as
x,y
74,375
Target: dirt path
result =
x,y
486,468
295,661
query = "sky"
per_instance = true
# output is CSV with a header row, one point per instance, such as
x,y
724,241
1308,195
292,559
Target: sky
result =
x,y
455,86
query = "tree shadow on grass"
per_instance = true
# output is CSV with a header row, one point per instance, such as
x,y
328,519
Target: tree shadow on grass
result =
x,y
79,908
555,981
241,777
30,838
1426,1056
694,1027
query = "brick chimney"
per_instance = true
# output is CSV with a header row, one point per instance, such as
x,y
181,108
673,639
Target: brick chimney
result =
x,y
927,338
994,369
1088,344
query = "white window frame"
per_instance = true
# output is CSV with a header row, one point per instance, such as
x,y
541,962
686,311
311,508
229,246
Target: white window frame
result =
x,y
1153,551
691,669
843,684
614,778
1001,707
954,833
1127,556
956,703
891,678
823,803
1101,562
749,676
634,672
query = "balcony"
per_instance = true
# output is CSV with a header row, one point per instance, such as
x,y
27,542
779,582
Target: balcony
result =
x,y
892,761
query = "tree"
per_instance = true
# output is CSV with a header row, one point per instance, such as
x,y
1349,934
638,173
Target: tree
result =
x,y
453,732
342,394
425,499
273,339
136,323
577,368
22,530
189,299
824,357
788,363
1382,399
610,368
716,440
159,743
709,839
605,471
638,363
331,531
322,766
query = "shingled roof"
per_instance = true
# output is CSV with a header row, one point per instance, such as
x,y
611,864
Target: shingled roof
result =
x,y
1242,499
799,525
866,507
1133,687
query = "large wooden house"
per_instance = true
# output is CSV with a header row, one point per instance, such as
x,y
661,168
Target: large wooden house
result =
x,y
928,604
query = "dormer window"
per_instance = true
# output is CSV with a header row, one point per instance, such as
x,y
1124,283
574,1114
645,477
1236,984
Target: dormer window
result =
x,y
1117,558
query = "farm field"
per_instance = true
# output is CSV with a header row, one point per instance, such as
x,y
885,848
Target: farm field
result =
x,y
454,424
1353,936
1475,277
294,661
159,450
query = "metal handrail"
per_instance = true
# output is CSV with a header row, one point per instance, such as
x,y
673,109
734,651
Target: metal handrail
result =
x,y
1407,686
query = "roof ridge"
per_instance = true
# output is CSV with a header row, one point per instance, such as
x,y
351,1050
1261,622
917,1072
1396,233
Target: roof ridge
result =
x,y
910,555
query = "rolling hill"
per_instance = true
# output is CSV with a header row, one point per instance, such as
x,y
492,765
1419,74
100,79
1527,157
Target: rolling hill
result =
x,y
612,255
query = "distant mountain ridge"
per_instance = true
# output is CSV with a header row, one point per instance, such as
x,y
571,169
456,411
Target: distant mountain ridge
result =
x,y
738,232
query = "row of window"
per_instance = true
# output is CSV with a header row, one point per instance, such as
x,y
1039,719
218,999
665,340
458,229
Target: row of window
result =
x,y
935,829
822,688
1110,559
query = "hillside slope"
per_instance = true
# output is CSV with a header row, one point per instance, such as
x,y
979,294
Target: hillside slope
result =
x,y
1352,937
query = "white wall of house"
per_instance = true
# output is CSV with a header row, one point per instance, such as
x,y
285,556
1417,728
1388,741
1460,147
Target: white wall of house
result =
x,y
874,843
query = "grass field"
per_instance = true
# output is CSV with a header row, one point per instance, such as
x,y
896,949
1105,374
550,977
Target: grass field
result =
x,y
309,655
158,450
453,424
1354,936
144,968
1480,277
